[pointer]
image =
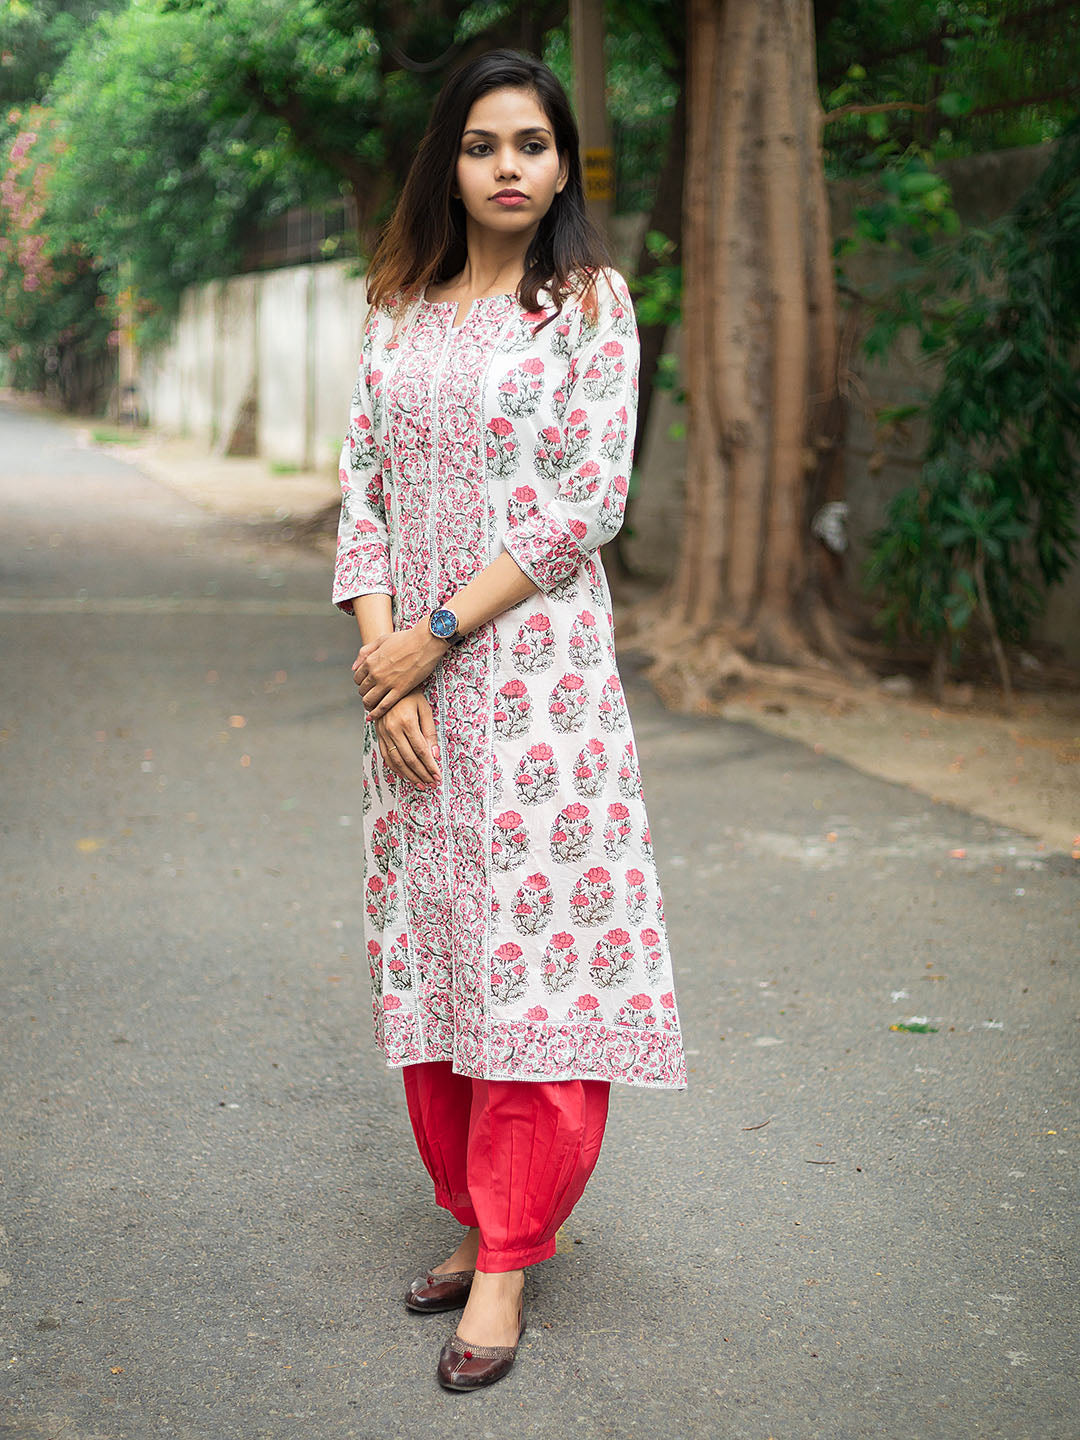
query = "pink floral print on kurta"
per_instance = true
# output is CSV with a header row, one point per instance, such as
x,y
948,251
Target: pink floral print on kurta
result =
x,y
514,918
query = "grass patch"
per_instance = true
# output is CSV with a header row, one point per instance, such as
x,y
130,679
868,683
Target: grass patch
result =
x,y
116,437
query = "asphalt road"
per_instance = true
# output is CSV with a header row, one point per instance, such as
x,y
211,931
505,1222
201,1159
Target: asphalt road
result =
x,y
211,1200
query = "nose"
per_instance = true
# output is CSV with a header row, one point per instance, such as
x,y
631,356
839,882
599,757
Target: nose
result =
x,y
506,167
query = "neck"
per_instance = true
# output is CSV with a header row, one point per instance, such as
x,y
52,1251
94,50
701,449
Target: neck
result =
x,y
493,261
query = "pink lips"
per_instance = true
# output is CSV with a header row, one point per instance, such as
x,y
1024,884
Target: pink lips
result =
x,y
510,198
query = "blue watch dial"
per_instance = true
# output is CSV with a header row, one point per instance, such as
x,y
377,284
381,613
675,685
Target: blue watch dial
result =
x,y
443,623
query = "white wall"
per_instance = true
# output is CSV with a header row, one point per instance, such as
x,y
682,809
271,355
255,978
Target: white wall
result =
x,y
291,336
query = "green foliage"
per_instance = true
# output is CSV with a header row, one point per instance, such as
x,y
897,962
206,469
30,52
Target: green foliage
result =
x,y
991,522
962,76
658,294
160,161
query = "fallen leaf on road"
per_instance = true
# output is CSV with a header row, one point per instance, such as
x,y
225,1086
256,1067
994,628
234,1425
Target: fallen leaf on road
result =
x,y
759,1126
957,854
917,1027
237,722
88,844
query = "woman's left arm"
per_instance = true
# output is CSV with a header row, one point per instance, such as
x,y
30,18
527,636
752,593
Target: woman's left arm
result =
x,y
388,668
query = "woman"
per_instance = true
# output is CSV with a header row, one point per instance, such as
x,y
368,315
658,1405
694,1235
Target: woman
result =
x,y
515,925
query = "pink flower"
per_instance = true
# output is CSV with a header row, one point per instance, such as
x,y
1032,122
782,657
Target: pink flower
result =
x,y
563,940
595,747
587,618
587,1002
508,953
525,494
617,937
576,811
536,1013
597,876
538,622
537,882
589,468
558,836
540,752
571,682
640,1002
617,811
500,426
668,1001
396,964
391,1002
533,366
513,689
578,529
551,434
577,417
508,820
611,348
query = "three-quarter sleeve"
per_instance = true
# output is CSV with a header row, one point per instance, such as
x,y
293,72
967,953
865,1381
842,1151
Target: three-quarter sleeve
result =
x,y
590,453
363,548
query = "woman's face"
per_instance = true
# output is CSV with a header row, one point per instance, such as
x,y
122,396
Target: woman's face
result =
x,y
508,170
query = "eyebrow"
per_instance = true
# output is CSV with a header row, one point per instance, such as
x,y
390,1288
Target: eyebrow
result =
x,y
528,130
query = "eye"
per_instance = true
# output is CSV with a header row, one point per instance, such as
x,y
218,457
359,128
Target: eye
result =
x,y
480,145
540,147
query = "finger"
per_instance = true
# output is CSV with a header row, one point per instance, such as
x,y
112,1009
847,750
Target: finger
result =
x,y
392,759
379,700
408,760
428,729
422,750
373,694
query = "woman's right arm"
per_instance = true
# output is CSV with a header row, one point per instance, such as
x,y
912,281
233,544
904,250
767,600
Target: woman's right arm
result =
x,y
363,549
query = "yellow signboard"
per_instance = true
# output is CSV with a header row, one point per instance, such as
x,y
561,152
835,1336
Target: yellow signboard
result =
x,y
599,165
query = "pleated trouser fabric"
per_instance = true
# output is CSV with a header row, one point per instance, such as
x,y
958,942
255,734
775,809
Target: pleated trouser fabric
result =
x,y
509,1156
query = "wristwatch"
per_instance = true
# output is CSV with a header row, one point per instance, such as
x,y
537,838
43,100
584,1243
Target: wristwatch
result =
x,y
443,625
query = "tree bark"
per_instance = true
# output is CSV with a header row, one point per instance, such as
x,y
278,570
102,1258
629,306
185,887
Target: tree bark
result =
x,y
761,355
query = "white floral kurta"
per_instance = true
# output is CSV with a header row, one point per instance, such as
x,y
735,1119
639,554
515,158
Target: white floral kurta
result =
x,y
514,921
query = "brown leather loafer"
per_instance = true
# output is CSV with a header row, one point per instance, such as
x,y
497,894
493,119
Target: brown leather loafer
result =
x,y
464,1366
431,1293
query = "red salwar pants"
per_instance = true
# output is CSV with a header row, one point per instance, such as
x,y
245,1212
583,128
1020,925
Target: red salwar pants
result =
x,y
509,1156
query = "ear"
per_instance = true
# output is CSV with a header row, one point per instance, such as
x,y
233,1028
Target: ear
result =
x,y
564,174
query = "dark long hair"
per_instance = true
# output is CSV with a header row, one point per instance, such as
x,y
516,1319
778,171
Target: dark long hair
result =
x,y
424,241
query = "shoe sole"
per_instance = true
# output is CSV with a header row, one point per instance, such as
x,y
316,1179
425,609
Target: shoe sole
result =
x,y
434,1309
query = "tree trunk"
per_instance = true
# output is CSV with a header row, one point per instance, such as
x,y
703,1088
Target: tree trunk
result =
x,y
760,334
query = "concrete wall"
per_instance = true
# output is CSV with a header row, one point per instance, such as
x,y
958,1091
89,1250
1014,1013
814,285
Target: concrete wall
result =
x,y
290,338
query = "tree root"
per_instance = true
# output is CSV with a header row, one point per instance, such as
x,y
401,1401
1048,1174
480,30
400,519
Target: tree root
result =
x,y
695,673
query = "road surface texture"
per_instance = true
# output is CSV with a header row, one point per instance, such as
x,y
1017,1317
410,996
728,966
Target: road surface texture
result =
x,y
211,1199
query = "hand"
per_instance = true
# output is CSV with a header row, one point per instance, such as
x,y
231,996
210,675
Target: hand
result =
x,y
391,666
408,741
